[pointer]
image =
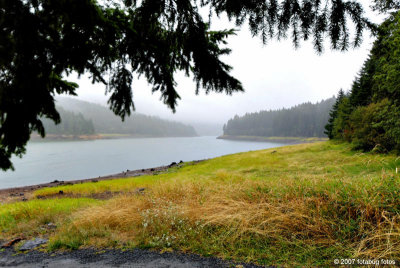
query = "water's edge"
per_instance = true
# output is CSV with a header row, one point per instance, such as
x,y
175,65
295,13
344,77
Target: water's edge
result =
x,y
78,160
127,174
288,140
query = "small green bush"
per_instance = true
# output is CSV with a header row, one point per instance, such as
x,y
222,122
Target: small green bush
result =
x,y
376,127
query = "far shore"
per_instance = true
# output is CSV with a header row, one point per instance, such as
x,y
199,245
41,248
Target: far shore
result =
x,y
289,140
105,136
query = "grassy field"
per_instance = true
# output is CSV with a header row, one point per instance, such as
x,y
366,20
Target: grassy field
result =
x,y
300,205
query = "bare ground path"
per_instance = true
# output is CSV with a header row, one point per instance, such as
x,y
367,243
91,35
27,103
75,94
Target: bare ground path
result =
x,y
110,258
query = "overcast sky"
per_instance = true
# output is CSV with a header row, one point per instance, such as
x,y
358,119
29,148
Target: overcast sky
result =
x,y
273,75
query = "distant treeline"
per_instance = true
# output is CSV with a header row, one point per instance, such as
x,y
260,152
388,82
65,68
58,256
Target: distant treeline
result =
x,y
369,115
71,124
304,120
105,121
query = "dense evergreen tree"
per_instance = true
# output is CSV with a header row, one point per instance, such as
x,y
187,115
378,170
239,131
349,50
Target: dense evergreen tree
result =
x,y
361,90
370,116
386,50
341,124
333,114
42,41
304,120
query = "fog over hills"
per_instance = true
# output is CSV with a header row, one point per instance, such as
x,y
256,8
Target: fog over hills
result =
x,y
104,121
71,124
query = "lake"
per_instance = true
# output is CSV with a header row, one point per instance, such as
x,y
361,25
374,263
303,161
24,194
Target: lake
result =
x,y
73,160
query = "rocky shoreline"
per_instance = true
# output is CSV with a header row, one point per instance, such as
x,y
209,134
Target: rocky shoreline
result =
x,y
24,193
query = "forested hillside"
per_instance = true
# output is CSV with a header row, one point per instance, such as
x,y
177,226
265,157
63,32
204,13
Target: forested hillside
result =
x,y
369,114
71,124
105,121
304,120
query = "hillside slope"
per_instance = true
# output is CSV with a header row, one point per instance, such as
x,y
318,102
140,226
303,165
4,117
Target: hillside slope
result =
x,y
105,121
71,124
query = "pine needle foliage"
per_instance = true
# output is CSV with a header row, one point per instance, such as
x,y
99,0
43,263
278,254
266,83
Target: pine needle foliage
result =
x,y
369,115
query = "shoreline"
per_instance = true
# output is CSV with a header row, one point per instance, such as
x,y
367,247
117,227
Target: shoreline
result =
x,y
103,136
21,193
288,140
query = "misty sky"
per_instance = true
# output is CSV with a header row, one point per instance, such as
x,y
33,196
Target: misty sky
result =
x,y
274,76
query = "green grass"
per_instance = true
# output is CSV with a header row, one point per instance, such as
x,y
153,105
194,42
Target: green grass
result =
x,y
302,205
26,218
117,185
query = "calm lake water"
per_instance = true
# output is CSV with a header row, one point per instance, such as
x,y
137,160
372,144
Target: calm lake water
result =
x,y
73,160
